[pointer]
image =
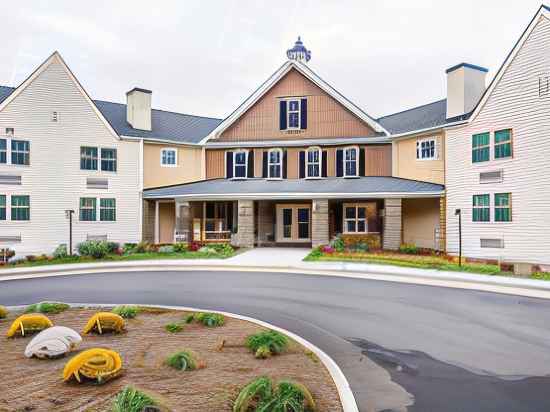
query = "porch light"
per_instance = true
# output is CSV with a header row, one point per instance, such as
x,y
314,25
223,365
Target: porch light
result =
x,y
458,213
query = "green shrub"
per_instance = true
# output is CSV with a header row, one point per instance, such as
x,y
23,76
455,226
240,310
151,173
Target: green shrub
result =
x,y
112,247
206,318
408,248
166,249
361,247
131,399
95,248
126,311
3,312
47,307
180,247
338,244
60,252
224,249
142,247
173,327
271,340
183,361
129,248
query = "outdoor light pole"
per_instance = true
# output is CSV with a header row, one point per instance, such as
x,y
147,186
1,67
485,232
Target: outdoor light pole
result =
x,y
459,214
69,214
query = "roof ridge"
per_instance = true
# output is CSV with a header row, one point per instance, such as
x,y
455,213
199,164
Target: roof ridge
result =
x,y
412,108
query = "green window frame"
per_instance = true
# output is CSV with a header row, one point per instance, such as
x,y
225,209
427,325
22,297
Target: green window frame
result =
x,y
88,158
20,207
503,207
2,207
3,150
108,160
20,152
481,209
87,209
503,144
481,144
107,210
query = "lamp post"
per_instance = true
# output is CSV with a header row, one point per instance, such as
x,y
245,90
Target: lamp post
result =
x,y
458,213
69,215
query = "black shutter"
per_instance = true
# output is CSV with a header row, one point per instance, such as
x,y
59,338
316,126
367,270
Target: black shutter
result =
x,y
324,163
229,165
339,163
264,165
285,162
282,115
302,165
338,215
303,114
250,166
362,161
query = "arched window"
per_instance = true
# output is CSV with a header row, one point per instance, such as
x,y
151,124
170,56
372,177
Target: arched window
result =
x,y
351,157
313,162
274,163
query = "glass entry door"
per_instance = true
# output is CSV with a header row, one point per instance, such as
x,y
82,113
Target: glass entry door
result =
x,y
293,223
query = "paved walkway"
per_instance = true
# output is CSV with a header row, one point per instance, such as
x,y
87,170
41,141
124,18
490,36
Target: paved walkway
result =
x,y
270,256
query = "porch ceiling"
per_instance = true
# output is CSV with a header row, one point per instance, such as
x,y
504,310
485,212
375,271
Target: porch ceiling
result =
x,y
326,188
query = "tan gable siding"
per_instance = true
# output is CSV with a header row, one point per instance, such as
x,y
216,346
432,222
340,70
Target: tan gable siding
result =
x,y
326,117
378,160
215,164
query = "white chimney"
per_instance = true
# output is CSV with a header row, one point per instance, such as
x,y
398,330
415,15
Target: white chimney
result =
x,y
465,86
138,108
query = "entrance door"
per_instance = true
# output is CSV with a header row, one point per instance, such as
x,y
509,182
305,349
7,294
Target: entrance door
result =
x,y
293,223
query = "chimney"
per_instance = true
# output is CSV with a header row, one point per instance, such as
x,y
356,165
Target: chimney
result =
x,y
138,108
465,86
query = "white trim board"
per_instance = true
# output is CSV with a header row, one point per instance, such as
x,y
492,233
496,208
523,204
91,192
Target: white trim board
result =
x,y
283,196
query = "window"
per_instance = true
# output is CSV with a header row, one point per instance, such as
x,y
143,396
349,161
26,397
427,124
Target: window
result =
x,y
313,162
503,144
88,158
503,207
350,162
107,210
293,114
355,218
426,149
303,223
2,207
274,161
20,207
481,211
20,152
480,147
168,157
108,160
87,209
3,151
239,164
287,223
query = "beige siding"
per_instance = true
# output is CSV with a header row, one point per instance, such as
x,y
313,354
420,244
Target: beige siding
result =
x,y
215,164
420,221
188,167
326,117
406,165
378,160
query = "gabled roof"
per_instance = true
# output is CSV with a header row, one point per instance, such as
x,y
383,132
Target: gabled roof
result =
x,y
418,118
278,75
5,91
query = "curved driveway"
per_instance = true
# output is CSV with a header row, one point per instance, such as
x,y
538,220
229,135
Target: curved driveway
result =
x,y
431,348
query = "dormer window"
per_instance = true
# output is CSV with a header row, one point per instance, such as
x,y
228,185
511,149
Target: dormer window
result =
x,y
293,114
313,162
239,164
274,163
351,154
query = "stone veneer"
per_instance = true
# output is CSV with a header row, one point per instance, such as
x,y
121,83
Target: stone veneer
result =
x,y
245,232
319,223
148,219
392,224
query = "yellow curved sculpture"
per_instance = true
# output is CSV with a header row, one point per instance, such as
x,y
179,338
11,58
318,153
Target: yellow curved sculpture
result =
x,y
96,363
29,323
104,322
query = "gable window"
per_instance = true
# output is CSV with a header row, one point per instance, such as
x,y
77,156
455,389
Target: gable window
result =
x,y
239,164
426,149
88,158
350,161
20,152
108,160
107,210
355,218
503,207
2,207
3,151
20,207
274,163
313,162
481,211
87,209
480,147
293,114
503,144
168,157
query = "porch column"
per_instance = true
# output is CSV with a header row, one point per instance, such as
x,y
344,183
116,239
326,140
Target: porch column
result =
x,y
392,224
443,224
245,230
319,222
183,222
157,221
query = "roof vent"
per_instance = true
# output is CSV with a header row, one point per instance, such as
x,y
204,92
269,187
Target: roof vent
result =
x,y
465,86
138,108
491,177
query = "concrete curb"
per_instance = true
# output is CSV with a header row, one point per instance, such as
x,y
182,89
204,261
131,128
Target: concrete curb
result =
x,y
342,385
426,277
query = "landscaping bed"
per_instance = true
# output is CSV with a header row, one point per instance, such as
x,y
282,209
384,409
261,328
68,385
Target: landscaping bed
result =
x,y
37,384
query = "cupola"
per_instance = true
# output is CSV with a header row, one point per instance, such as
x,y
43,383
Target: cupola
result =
x,y
299,52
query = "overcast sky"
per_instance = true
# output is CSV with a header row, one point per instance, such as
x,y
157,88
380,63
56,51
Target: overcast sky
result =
x,y
205,57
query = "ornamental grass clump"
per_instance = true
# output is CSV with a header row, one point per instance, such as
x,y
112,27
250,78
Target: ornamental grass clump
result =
x,y
103,322
95,364
131,399
184,361
173,327
267,343
209,319
3,312
47,307
261,395
126,311
28,324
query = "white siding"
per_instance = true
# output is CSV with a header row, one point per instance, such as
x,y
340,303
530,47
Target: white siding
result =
x,y
54,180
514,103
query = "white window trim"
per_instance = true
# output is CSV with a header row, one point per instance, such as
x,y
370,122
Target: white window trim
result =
x,y
419,149
171,149
356,161
320,162
100,159
356,219
245,164
95,208
9,139
299,111
280,164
